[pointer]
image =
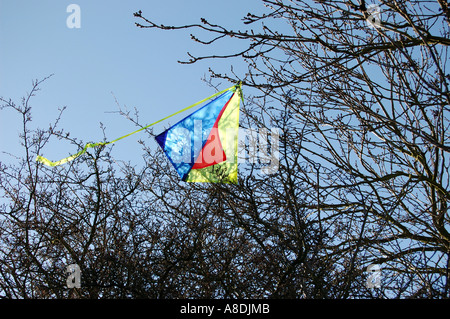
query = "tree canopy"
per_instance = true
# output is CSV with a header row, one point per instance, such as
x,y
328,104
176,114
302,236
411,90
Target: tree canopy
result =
x,y
360,95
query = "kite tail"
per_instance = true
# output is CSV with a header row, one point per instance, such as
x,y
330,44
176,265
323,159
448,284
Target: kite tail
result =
x,y
49,163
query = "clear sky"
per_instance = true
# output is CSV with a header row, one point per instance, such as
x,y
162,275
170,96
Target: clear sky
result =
x,y
107,57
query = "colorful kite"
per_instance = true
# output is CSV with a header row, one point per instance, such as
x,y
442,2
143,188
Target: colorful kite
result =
x,y
202,147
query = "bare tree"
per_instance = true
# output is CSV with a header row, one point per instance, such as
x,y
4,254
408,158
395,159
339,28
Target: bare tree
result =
x,y
362,103
361,93
129,238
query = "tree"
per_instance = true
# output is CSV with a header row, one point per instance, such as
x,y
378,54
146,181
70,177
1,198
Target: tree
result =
x,y
362,98
361,101
134,233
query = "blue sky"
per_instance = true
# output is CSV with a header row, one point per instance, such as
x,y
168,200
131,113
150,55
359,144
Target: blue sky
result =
x,y
107,58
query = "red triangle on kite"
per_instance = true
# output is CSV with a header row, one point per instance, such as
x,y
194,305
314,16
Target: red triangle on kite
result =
x,y
212,152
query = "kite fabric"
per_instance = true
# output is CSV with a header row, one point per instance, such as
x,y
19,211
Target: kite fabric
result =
x,y
202,147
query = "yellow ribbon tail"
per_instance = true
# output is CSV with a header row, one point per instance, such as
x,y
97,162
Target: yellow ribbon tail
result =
x,y
47,162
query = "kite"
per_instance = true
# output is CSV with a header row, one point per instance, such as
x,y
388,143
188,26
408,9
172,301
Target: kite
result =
x,y
202,147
